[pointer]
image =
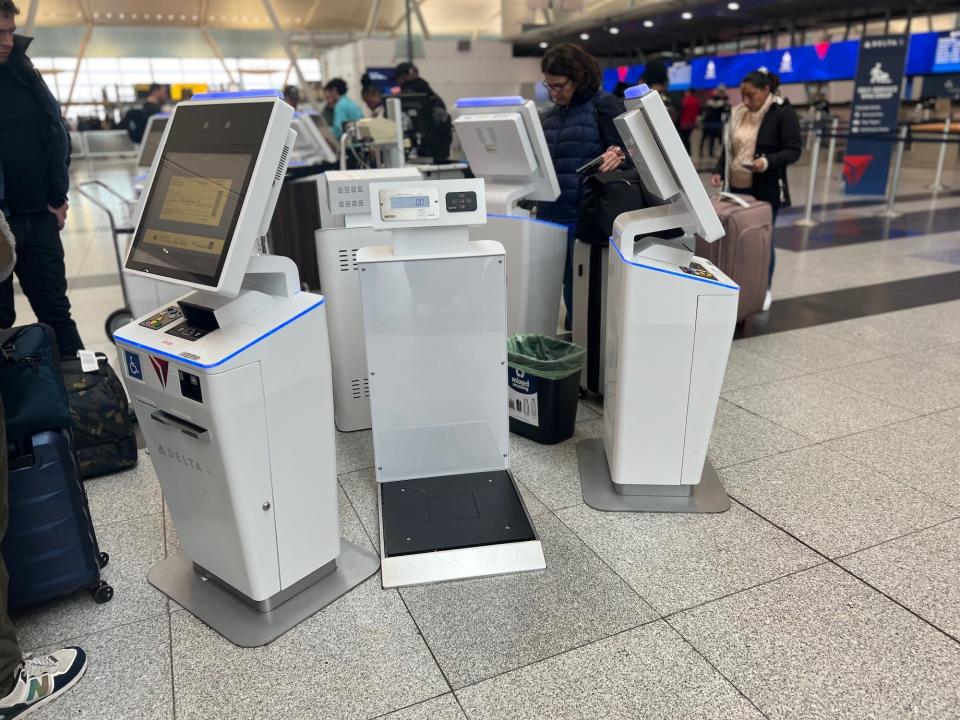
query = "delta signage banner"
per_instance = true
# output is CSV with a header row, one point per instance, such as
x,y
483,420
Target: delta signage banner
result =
x,y
807,63
876,100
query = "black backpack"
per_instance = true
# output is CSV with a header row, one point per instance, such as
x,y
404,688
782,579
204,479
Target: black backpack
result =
x,y
607,195
104,436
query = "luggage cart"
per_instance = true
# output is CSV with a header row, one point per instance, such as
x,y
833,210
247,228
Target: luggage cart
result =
x,y
118,318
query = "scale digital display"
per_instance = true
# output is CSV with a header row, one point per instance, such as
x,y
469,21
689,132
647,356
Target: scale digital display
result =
x,y
406,202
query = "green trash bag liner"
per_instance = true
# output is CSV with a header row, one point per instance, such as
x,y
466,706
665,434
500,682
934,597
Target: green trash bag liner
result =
x,y
545,357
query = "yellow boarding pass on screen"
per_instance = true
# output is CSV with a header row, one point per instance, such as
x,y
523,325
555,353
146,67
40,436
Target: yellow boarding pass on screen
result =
x,y
199,201
182,241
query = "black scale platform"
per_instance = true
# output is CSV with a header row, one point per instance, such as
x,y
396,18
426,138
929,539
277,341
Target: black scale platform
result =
x,y
452,511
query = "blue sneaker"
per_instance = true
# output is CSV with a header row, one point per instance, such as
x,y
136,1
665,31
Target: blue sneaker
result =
x,y
42,679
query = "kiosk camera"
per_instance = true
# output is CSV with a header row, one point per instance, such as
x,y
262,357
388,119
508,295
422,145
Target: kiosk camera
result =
x,y
345,221
503,141
670,321
231,385
152,135
434,319
311,147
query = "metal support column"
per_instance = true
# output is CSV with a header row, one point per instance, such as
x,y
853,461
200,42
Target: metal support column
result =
x,y
218,53
31,18
373,18
288,48
81,53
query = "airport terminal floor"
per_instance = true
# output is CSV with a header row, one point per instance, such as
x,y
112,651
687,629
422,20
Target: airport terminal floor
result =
x,y
828,590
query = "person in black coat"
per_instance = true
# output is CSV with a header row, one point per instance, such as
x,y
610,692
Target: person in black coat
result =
x,y
764,138
578,128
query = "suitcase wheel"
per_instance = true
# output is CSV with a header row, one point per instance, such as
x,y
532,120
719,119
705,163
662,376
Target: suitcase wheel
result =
x,y
102,560
102,593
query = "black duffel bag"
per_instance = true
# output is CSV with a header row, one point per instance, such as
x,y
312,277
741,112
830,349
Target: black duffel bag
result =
x,y
31,385
103,433
607,195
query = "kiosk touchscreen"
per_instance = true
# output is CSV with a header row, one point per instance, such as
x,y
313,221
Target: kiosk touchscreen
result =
x,y
231,385
152,136
346,217
670,322
434,323
311,148
503,142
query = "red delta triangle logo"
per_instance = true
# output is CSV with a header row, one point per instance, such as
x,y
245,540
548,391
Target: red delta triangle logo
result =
x,y
622,71
821,49
161,368
854,168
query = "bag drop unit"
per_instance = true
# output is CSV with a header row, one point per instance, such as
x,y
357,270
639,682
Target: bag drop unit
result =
x,y
231,385
670,322
435,327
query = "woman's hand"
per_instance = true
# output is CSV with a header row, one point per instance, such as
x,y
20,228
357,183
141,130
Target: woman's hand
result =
x,y
761,164
612,159
716,180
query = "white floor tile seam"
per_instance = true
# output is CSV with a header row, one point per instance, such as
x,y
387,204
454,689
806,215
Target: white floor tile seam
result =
x,y
546,658
77,640
917,531
419,703
929,496
717,670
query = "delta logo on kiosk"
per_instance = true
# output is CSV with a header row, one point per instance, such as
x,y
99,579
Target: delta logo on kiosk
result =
x,y
162,369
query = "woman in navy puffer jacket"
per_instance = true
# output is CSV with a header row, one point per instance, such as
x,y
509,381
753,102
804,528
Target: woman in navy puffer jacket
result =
x,y
578,128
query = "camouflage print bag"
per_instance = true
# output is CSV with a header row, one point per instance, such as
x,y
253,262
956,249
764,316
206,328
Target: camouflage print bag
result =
x,y
103,434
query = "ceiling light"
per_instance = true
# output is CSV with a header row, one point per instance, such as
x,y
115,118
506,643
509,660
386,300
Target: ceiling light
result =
x,y
584,36
648,23
544,45
614,30
686,15
733,6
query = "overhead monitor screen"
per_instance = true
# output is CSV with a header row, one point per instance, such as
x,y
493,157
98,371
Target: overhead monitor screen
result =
x,y
151,142
197,193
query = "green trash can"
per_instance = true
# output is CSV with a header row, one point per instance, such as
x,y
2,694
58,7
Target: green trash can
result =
x,y
543,381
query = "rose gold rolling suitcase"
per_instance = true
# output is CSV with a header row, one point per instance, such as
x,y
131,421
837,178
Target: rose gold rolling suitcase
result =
x,y
744,252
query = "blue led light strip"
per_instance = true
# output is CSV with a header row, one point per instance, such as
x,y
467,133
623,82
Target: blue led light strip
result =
x,y
185,361
528,219
238,95
509,100
636,91
683,275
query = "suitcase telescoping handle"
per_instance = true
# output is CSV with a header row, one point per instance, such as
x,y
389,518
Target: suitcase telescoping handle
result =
x,y
734,199
187,428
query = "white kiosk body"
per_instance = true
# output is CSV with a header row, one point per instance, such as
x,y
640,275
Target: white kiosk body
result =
x,y
231,386
152,135
503,141
670,322
434,316
346,220
311,148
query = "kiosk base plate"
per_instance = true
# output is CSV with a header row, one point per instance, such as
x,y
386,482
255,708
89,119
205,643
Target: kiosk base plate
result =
x,y
708,496
455,527
235,618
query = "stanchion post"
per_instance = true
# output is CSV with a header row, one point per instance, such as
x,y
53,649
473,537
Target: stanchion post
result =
x,y
890,211
831,153
807,219
938,185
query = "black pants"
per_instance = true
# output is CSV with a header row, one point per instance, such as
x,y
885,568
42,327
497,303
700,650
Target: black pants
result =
x,y
43,277
709,137
685,139
10,654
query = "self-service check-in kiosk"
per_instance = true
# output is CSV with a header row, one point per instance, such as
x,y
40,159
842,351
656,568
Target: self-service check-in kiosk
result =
x,y
231,384
346,226
670,322
434,318
503,141
311,147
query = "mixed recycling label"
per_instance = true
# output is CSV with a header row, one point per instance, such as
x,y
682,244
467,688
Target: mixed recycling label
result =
x,y
523,399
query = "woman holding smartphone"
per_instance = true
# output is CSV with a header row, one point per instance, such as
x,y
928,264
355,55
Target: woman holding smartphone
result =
x,y
578,129
764,138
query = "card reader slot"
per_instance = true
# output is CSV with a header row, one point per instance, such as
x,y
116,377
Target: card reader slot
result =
x,y
184,426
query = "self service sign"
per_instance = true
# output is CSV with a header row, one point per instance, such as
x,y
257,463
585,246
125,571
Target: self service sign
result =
x,y
876,99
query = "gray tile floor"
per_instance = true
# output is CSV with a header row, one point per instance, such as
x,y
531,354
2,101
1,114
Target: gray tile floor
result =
x,y
829,590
